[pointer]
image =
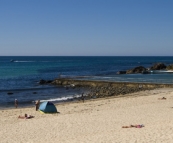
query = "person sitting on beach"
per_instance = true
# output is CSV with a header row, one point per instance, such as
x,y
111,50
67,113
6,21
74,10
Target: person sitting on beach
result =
x,y
163,98
26,116
134,126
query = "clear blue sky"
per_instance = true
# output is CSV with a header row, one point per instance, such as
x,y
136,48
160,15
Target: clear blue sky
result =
x,y
86,27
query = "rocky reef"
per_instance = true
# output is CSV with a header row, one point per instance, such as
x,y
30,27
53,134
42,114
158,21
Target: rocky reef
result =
x,y
99,89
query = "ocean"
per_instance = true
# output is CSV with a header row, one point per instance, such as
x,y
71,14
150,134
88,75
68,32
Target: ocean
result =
x,y
19,75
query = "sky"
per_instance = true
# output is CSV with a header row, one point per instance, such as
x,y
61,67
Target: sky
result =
x,y
86,27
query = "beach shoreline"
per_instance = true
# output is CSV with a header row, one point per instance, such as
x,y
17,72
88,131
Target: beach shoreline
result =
x,y
97,120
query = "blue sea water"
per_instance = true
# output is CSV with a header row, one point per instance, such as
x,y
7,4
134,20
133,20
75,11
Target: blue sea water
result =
x,y
21,76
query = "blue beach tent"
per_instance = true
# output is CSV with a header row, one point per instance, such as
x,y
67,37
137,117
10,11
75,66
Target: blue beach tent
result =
x,y
48,107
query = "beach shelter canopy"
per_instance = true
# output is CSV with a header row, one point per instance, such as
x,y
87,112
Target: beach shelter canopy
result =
x,y
48,107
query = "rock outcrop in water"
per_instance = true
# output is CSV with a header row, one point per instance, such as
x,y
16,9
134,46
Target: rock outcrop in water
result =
x,y
141,69
121,72
169,67
42,81
158,66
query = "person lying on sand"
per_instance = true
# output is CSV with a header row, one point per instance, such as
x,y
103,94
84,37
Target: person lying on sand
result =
x,y
134,126
26,116
163,98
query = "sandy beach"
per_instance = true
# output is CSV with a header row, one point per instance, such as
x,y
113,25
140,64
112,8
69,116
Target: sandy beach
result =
x,y
95,121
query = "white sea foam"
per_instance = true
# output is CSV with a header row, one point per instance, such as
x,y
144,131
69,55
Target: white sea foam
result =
x,y
23,61
34,61
61,98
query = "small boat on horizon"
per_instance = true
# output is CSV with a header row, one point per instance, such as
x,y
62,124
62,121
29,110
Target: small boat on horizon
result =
x,y
12,60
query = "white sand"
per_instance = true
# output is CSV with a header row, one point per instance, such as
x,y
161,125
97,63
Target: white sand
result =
x,y
96,121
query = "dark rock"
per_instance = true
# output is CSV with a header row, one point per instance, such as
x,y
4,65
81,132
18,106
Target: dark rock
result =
x,y
146,72
42,81
169,67
139,69
34,92
158,66
49,81
10,93
121,72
